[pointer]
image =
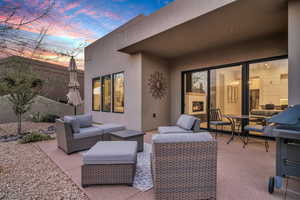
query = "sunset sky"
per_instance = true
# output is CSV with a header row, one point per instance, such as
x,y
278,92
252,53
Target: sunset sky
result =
x,y
75,23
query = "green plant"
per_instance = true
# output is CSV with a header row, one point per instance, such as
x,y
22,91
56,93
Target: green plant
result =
x,y
34,137
22,86
49,118
38,117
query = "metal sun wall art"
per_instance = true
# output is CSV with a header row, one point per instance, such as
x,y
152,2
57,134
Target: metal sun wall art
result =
x,y
158,85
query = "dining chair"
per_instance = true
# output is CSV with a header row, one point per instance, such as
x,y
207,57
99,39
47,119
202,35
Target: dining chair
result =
x,y
216,120
257,128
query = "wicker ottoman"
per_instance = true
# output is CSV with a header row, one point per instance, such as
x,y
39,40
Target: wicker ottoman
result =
x,y
129,135
109,162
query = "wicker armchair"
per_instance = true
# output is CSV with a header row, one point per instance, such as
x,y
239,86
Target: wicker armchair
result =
x,y
184,166
67,142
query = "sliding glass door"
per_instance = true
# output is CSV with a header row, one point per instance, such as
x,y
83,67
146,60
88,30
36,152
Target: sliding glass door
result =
x,y
254,88
195,95
225,92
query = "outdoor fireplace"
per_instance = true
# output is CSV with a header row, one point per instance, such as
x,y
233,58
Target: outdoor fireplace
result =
x,y
198,106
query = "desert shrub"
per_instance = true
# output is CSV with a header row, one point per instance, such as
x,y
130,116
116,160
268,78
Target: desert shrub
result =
x,y
38,117
50,118
34,137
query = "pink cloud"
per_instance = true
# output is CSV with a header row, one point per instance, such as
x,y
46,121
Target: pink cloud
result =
x,y
73,5
98,14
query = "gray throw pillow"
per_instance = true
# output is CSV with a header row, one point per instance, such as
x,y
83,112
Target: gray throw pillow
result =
x,y
85,121
75,125
186,122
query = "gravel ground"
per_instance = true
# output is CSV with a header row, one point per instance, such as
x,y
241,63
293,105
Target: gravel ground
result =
x,y
11,128
26,173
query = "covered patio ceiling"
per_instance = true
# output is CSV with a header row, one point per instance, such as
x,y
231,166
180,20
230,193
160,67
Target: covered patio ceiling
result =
x,y
243,20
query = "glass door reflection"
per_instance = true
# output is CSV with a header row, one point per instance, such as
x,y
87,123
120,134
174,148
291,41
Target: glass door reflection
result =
x,y
196,96
225,93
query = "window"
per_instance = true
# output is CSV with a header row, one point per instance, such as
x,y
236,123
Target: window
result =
x,y
106,93
268,87
96,94
118,92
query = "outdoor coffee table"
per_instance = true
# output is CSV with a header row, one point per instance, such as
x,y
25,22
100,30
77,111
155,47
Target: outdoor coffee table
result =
x,y
129,135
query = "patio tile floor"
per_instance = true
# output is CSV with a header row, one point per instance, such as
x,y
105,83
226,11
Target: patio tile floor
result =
x,y
242,173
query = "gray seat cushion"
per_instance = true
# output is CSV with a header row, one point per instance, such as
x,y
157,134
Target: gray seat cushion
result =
x,y
172,129
111,152
223,123
182,138
107,128
88,132
186,122
256,128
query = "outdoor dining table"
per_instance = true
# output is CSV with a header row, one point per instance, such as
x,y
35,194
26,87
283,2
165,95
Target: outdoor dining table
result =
x,y
236,119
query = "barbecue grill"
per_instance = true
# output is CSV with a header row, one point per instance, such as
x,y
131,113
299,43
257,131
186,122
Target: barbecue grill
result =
x,y
286,129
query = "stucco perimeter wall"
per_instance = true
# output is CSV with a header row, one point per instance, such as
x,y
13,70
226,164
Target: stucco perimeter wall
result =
x,y
41,104
55,77
294,52
169,16
102,58
250,50
150,105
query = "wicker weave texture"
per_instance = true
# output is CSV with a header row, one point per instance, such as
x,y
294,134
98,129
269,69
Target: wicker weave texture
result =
x,y
185,171
107,174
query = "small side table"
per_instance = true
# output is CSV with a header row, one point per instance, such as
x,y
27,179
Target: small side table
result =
x,y
129,135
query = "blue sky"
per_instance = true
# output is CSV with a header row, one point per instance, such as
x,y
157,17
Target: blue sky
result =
x,y
74,23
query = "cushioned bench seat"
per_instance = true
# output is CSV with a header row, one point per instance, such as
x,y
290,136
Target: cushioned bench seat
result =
x,y
109,162
111,127
172,129
88,132
114,152
256,128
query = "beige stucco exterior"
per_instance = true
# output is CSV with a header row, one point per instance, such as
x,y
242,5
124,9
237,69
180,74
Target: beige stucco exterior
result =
x,y
185,36
294,52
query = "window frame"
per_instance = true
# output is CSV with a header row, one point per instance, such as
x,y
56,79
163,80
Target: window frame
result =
x,y
93,80
113,91
102,93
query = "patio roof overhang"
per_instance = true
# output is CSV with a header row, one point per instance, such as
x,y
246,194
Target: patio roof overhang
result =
x,y
244,20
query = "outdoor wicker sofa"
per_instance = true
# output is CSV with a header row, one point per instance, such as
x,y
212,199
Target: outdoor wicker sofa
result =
x,y
184,166
185,124
77,133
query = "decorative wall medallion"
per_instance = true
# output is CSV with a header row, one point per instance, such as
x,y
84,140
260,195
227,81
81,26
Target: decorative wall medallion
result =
x,y
158,85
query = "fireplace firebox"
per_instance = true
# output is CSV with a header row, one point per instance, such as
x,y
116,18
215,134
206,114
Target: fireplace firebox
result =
x,y
198,106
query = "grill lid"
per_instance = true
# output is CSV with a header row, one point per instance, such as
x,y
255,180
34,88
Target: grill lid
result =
x,y
288,118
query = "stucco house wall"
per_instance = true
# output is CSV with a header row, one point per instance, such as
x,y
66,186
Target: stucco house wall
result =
x,y
294,51
102,58
144,32
264,48
155,112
